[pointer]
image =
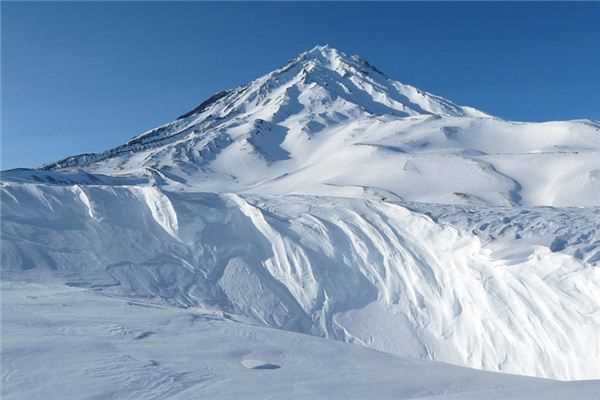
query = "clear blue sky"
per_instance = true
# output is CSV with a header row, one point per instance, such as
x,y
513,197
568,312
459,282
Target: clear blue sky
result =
x,y
83,77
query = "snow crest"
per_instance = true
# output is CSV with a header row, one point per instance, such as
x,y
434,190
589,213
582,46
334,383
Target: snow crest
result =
x,y
361,271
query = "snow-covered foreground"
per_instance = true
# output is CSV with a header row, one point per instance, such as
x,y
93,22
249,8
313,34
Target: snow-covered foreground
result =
x,y
69,343
361,271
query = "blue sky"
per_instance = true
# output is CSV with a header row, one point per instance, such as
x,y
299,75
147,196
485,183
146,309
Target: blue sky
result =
x,y
83,77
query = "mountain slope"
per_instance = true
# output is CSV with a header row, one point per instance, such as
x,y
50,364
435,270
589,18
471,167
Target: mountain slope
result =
x,y
320,82
312,125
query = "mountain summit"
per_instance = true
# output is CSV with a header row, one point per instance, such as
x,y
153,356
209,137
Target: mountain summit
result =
x,y
322,85
315,125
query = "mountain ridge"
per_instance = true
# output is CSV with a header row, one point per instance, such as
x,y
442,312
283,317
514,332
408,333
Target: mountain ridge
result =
x,y
309,67
310,125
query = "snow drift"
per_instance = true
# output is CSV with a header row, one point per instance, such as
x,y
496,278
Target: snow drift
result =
x,y
128,349
361,271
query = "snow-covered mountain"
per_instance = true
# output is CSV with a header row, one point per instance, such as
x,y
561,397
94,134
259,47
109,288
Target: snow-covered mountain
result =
x,y
327,199
313,125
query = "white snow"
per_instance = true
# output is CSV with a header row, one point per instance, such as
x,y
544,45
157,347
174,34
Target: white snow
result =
x,y
201,258
312,125
360,271
68,343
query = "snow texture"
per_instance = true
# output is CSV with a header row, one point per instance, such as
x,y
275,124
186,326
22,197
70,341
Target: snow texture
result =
x,y
209,257
70,343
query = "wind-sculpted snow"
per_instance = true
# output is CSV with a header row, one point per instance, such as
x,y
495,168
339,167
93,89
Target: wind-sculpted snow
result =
x,y
572,231
361,271
71,344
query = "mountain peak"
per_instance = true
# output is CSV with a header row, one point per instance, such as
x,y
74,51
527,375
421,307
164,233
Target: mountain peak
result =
x,y
333,59
321,86
323,52
322,48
